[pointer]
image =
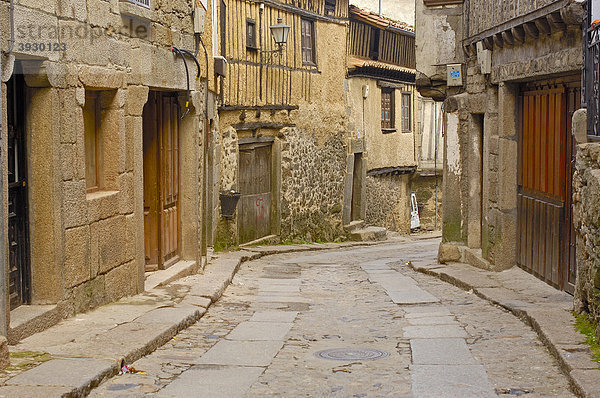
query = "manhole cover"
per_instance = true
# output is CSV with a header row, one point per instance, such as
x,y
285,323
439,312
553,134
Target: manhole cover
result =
x,y
351,354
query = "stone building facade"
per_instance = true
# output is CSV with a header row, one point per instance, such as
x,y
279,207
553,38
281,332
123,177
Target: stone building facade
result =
x,y
509,74
393,120
94,102
283,141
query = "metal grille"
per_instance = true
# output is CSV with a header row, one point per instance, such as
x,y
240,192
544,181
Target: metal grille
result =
x,y
142,3
591,76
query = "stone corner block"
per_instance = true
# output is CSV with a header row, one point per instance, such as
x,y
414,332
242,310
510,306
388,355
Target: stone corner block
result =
x,y
4,357
448,253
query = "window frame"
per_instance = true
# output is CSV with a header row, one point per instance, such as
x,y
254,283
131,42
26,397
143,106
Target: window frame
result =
x,y
254,45
403,117
312,50
388,125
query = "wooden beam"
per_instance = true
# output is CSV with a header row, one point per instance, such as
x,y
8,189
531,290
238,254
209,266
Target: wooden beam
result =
x,y
499,40
556,21
519,34
531,30
489,43
508,37
543,26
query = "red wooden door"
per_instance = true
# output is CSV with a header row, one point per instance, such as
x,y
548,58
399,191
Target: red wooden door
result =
x,y
161,180
254,209
545,228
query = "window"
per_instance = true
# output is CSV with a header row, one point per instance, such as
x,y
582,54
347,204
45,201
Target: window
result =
x,y
406,113
308,42
330,7
374,44
251,34
91,125
143,3
387,109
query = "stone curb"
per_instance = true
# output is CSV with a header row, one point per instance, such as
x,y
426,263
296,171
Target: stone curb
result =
x,y
215,279
553,328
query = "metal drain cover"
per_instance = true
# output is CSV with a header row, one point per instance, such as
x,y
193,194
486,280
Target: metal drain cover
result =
x,y
351,354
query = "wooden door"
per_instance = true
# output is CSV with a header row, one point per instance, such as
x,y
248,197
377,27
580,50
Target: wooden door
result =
x,y
18,220
545,227
161,180
254,209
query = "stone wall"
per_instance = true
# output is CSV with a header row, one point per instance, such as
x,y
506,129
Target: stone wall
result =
x,y
87,248
424,188
388,202
312,186
586,213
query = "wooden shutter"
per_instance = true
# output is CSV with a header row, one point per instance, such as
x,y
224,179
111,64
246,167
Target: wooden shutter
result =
x,y
307,42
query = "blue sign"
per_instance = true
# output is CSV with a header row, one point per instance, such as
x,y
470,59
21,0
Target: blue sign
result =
x,y
455,73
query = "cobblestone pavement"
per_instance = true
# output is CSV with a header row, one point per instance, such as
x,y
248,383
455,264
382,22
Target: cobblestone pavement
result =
x,y
261,338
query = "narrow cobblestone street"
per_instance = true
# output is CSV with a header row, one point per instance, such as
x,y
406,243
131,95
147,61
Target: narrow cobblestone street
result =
x,y
428,338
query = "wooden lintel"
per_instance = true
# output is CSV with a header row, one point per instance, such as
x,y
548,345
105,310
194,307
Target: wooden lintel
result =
x,y
508,38
519,34
531,30
543,26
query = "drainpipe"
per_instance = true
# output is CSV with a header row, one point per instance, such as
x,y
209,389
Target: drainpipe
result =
x,y
380,1
3,272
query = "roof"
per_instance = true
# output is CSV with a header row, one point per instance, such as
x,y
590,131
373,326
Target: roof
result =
x,y
357,62
381,22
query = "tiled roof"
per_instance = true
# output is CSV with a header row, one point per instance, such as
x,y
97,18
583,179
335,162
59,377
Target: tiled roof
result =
x,y
381,22
357,62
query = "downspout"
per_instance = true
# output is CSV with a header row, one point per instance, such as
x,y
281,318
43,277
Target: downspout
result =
x,y
204,161
11,17
3,271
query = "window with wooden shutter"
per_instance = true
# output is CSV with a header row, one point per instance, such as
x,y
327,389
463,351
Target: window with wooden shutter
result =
x,y
91,124
406,112
308,42
251,34
330,7
387,109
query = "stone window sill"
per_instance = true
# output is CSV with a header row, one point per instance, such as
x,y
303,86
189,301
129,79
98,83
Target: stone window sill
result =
x,y
91,196
135,10
388,131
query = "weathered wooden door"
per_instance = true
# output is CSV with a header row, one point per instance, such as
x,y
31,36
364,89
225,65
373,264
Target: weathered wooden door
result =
x,y
18,224
254,209
161,180
545,246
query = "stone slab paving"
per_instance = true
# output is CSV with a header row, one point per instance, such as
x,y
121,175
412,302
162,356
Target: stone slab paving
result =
x,y
202,381
449,381
446,351
345,309
252,331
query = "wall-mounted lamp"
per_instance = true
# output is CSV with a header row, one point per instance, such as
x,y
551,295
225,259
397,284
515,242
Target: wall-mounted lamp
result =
x,y
279,31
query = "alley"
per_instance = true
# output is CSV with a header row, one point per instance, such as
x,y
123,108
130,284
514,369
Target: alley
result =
x,y
349,323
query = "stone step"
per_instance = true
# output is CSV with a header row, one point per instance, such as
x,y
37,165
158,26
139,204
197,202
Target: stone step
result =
x,y
369,234
354,225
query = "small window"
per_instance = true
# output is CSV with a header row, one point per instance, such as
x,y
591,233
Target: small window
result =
x,y
91,124
330,7
406,113
251,34
308,42
374,44
387,109
143,3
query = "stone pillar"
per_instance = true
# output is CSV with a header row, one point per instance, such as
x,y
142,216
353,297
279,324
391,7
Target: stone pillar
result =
x,y
452,228
506,250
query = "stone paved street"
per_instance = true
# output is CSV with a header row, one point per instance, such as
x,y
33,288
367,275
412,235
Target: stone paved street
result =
x,y
261,338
